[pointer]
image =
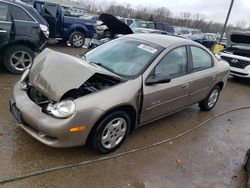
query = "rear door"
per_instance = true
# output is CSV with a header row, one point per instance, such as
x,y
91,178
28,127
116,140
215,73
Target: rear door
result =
x,y
5,24
25,26
203,74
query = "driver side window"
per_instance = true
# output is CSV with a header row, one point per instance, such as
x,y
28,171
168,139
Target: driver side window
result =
x,y
174,64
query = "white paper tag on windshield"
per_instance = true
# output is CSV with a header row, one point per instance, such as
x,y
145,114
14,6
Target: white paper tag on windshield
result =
x,y
147,48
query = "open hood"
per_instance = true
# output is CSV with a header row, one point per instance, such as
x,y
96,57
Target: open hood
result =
x,y
54,73
238,38
115,25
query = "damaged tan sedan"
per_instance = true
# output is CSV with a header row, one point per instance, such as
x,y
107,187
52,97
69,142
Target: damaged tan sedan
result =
x,y
99,98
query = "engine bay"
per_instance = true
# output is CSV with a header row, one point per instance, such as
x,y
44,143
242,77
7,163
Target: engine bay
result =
x,y
96,83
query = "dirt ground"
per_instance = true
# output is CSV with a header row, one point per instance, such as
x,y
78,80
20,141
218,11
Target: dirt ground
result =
x,y
208,157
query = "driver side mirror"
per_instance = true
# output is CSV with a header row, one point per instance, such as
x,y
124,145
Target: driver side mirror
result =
x,y
156,79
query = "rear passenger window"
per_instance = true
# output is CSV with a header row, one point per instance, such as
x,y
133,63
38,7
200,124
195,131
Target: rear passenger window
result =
x,y
201,59
3,12
18,13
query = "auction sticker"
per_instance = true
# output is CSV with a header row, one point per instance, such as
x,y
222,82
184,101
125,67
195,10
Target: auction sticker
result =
x,y
147,48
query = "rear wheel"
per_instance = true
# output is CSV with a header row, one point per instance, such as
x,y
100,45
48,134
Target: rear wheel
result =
x,y
208,103
76,39
18,58
111,132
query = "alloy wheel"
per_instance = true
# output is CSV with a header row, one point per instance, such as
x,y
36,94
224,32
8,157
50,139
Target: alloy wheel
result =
x,y
21,60
78,40
213,98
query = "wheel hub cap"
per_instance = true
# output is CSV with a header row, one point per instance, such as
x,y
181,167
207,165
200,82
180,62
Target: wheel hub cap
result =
x,y
114,133
78,40
213,98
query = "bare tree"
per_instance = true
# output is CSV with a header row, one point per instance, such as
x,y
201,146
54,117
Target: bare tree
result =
x,y
240,24
163,14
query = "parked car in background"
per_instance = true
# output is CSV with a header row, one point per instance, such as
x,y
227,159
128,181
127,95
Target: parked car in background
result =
x,y
237,53
115,28
22,33
145,30
127,21
65,28
102,29
186,33
152,25
121,85
208,40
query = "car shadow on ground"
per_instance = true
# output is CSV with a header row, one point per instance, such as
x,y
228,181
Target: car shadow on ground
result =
x,y
243,81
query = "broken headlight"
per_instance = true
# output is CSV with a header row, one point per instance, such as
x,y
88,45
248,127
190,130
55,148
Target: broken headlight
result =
x,y
63,109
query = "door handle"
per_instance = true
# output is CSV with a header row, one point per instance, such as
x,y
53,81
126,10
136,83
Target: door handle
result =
x,y
185,86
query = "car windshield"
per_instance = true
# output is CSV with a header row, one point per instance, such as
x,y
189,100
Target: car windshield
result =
x,y
125,57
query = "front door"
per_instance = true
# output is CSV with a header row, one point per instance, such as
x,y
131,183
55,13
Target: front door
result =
x,y
162,99
5,24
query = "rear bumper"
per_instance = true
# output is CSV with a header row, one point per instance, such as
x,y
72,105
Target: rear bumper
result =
x,y
47,129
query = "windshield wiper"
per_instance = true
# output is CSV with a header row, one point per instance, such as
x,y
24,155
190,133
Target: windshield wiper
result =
x,y
101,65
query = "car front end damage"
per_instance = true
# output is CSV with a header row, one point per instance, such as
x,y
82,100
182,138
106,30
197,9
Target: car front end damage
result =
x,y
55,132
48,100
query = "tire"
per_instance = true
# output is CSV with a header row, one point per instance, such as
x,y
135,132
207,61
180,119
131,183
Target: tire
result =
x,y
76,39
115,136
18,58
211,100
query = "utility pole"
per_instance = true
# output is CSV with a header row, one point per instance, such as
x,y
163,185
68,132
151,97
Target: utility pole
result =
x,y
225,24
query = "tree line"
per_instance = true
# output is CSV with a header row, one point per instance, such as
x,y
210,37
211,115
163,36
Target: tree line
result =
x,y
162,14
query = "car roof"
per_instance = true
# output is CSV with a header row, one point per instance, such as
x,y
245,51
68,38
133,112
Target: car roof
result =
x,y
162,40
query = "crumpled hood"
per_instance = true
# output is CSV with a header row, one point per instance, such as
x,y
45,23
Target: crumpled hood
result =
x,y
54,73
238,38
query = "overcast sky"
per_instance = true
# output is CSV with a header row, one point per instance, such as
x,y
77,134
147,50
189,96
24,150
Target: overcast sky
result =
x,y
215,10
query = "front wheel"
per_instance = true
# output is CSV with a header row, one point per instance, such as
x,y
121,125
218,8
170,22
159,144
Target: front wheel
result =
x,y
208,103
111,132
76,39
